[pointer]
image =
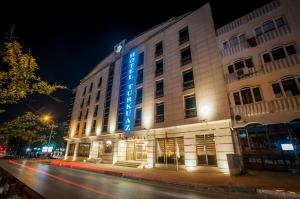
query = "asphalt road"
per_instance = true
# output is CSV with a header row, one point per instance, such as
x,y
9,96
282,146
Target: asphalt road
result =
x,y
60,182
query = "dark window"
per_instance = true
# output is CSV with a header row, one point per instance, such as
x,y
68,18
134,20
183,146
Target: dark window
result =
x,y
84,91
239,64
159,88
190,106
258,31
96,111
268,26
77,128
139,96
291,50
246,96
277,90
290,87
140,76
267,57
233,41
89,101
249,62
141,59
257,95
93,130
236,97
158,49
82,103
91,87
159,117
100,82
80,115
84,128
242,38
98,96
159,68
138,117
279,22
225,44
186,56
278,53
86,114
188,79
230,69
184,35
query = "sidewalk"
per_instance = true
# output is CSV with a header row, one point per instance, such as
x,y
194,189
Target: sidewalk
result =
x,y
276,184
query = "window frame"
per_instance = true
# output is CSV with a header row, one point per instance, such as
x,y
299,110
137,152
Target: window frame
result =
x,y
159,118
185,97
190,83
135,118
156,94
185,38
188,59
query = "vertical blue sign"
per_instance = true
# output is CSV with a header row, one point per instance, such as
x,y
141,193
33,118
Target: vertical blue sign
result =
x,y
130,91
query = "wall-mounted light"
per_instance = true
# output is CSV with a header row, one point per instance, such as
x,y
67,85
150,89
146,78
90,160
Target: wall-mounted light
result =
x,y
147,122
205,111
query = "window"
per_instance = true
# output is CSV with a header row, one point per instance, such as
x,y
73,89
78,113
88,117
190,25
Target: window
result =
x,y
77,128
159,70
257,95
86,114
267,57
98,96
93,130
225,44
186,56
239,64
82,103
96,111
268,26
141,59
159,109
258,31
278,53
84,128
138,117
84,91
233,41
158,49
71,150
91,87
246,96
280,22
83,150
184,35
80,115
159,88
242,63
290,87
230,69
242,38
89,101
188,79
237,99
139,96
100,82
249,63
190,106
277,90
140,77
291,50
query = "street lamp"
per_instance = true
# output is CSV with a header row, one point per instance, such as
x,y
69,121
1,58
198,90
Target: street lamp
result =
x,y
47,118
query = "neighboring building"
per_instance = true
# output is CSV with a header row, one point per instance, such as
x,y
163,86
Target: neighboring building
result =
x,y
176,94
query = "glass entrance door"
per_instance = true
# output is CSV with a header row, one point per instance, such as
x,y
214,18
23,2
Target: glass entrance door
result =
x,y
130,150
140,151
206,149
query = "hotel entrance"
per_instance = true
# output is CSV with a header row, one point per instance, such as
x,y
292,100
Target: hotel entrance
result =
x,y
136,151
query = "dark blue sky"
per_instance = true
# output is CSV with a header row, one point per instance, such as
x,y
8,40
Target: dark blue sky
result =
x,y
69,39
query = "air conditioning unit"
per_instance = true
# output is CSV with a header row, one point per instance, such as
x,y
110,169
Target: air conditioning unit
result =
x,y
242,72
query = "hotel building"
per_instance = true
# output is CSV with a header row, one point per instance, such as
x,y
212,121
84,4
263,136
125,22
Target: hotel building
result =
x,y
186,94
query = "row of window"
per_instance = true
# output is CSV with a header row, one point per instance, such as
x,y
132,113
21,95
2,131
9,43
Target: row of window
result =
x,y
91,86
286,87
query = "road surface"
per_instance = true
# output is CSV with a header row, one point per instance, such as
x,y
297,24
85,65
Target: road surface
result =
x,y
60,182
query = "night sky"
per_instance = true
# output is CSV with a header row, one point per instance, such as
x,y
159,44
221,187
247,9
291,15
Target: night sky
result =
x,y
69,39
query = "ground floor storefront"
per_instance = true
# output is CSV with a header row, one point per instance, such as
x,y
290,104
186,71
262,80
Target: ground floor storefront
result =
x,y
189,147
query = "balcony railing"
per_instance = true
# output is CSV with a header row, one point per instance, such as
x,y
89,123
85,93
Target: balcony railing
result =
x,y
292,60
283,30
234,49
260,108
254,71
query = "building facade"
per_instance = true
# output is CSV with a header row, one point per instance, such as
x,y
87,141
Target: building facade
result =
x,y
183,93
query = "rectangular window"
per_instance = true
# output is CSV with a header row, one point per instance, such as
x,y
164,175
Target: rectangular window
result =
x,y
91,87
278,53
83,150
138,117
82,103
257,95
93,130
80,115
279,22
291,50
225,45
249,63
159,70
140,76
139,96
184,35
237,99
86,114
268,26
246,96
186,56
267,57
290,87
233,41
188,79
277,90
140,59
77,128
190,106
98,96
100,82
158,49
159,117
258,31
96,111
89,101
159,88
84,91
230,69
71,150
239,64
84,128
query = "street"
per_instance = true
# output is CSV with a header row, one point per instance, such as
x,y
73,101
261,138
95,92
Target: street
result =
x,y
60,182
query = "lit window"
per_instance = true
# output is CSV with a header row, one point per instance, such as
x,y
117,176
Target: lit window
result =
x,y
190,106
188,79
138,117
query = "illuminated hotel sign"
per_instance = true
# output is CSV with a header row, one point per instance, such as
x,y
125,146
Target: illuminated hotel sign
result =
x,y
130,91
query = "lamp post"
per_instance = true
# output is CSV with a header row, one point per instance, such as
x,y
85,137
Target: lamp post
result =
x,y
47,118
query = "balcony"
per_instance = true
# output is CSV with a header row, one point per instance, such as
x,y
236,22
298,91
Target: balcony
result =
x,y
234,49
290,61
251,72
283,30
274,106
